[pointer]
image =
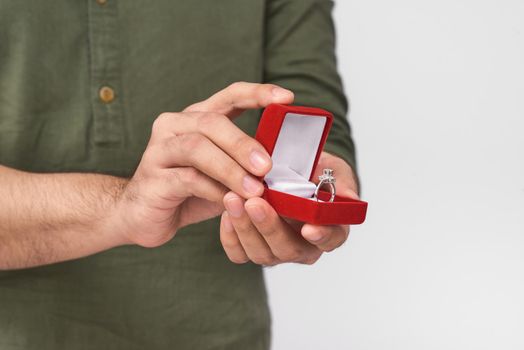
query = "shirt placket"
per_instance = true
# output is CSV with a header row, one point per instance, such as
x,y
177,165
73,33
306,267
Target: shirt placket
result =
x,y
105,89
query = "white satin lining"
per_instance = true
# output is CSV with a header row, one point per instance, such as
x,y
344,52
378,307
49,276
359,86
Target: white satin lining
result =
x,y
294,154
284,179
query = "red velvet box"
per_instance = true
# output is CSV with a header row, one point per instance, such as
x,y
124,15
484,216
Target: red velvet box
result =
x,y
294,137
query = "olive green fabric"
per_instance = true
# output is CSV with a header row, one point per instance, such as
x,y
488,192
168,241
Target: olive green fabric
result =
x,y
157,56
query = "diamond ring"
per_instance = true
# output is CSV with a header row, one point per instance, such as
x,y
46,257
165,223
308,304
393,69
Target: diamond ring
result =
x,y
326,178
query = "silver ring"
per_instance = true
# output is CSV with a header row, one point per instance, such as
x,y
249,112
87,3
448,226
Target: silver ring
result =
x,y
326,178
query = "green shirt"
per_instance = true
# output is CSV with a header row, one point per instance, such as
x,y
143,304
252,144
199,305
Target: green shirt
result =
x,y
60,62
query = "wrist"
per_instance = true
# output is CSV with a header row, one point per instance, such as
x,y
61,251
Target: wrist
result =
x,y
113,223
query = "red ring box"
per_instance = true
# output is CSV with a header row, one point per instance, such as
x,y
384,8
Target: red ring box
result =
x,y
294,136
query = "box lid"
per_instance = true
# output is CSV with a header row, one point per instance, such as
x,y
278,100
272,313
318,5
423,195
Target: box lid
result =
x,y
294,136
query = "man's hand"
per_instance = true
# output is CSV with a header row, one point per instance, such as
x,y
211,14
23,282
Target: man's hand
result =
x,y
251,230
192,160
195,161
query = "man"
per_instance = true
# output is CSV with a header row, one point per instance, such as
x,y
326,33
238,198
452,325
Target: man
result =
x,y
96,167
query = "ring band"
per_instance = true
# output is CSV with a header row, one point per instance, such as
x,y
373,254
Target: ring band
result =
x,y
326,178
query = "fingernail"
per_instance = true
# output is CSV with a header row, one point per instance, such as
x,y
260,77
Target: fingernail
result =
x,y
281,93
228,226
251,185
257,213
235,207
313,235
259,160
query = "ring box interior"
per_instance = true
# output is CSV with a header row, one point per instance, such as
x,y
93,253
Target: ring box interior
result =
x,y
294,137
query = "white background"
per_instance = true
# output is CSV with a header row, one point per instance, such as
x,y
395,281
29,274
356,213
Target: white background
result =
x,y
437,93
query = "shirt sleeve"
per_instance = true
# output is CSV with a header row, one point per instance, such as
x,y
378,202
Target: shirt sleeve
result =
x,y
299,55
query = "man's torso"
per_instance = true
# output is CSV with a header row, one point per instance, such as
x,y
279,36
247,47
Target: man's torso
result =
x,y
55,57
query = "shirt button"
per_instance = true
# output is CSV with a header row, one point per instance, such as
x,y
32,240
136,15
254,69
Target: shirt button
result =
x,y
101,2
106,94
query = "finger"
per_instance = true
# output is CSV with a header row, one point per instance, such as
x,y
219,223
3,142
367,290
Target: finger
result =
x,y
218,128
254,245
176,184
183,182
346,178
240,96
285,243
345,185
230,241
195,150
326,238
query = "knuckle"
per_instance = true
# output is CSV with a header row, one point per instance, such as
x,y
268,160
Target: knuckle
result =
x,y
152,160
227,242
243,142
262,88
329,249
269,229
237,85
170,142
189,142
232,168
244,226
193,108
272,262
331,246
150,155
334,244
238,260
293,255
188,175
310,260
161,121
264,259
168,177
257,261
209,121
264,92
